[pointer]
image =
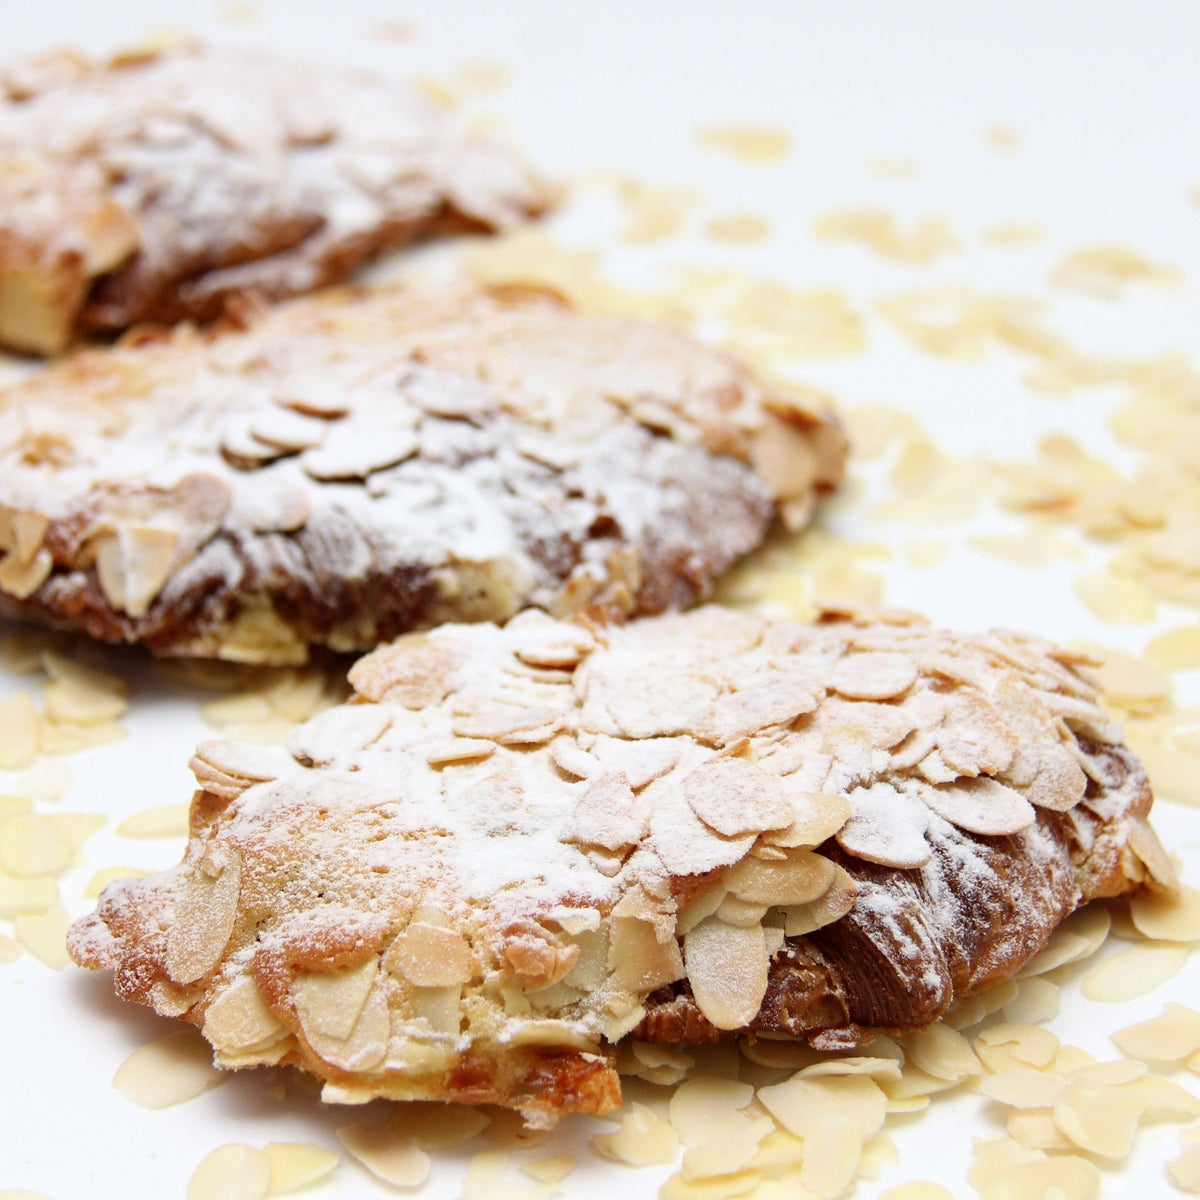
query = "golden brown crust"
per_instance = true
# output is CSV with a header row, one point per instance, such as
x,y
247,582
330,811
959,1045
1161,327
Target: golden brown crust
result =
x,y
153,187
516,846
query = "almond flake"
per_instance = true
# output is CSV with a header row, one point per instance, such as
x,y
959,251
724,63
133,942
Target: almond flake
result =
x,y
1100,1120
723,1188
238,1019
831,1156
25,896
1163,1099
45,781
31,846
168,820
330,1003
1063,1178
1106,1074
295,1165
730,1151
736,797
887,827
1133,972
170,1070
803,1103
386,1156
1024,1087
994,1155
1176,650
1005,1046
918,1189
873,676
205,914
1170,1037
942,1052
1115,598
1077,938
727,967
1185,1170
18,731
702,1106
433,1126
429,956
800,879
231,1172
1035,1129
984,806
1036,1000
44,935
106,875
643,1138
1165,916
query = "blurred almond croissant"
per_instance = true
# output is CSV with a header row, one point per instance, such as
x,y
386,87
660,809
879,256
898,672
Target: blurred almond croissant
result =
x,y
516,846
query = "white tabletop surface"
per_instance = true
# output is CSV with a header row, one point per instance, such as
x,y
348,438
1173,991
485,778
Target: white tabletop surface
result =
x,y
1101,99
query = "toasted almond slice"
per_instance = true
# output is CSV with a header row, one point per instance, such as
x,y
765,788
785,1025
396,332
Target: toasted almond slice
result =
x,y
20,579
168,820
1101,1120
1170,1037
643,1138
429,956
19,742
873,675
727,967
1134,972
231,1172
800,879
205,914
133,565
167,1071
1166,916
639,961
735,797
238,1020
295,1165
432,1126
1005,1046
1024,1087
886,826
816,816
971,1010
106,875
982,805
330,1002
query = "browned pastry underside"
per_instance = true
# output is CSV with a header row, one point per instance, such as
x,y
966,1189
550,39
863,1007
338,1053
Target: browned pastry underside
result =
x,y
515,847
348,467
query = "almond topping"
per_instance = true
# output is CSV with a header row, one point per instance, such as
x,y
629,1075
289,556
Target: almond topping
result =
x,y
727,967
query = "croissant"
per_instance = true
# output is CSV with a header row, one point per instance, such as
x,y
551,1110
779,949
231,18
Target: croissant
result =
x,y
517,845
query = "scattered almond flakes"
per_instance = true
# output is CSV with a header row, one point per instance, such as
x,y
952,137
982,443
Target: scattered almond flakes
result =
x,y
1176,650
918,1189
1169,917
1107,271
231,1172
1185,1170
434,1126
1002,137
1170,1037
942,1052
61,738
167,820
738,228
654,212
747,143
1007,1046
1077,938
1014,233
390,1158
22,896
1024,1087
33,845
19,737
46,781
82,695
44,935
1101,1120
927,240
1116,598
174,1068
1133,972
295,1165
550,1170
1036,1000
770,321
1129,683
106,875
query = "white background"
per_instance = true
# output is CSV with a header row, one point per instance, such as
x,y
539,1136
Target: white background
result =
x,y
1105,98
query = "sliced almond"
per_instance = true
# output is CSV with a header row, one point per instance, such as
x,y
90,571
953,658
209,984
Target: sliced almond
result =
x,y
727,968
799,879
133,564
802,1104
238,1020
429,956
1169,917
984,806
386,1156
1170,1037
1133,972
642,1139
19,742
1024,1087
205,914
21,580
168,820
942,1052
44,935
170,1070
1064,1178
231,1172
736,797
296,1165
32,846
1101,1120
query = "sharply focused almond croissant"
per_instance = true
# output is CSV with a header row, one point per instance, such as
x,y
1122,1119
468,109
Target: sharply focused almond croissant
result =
x,y
516,846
